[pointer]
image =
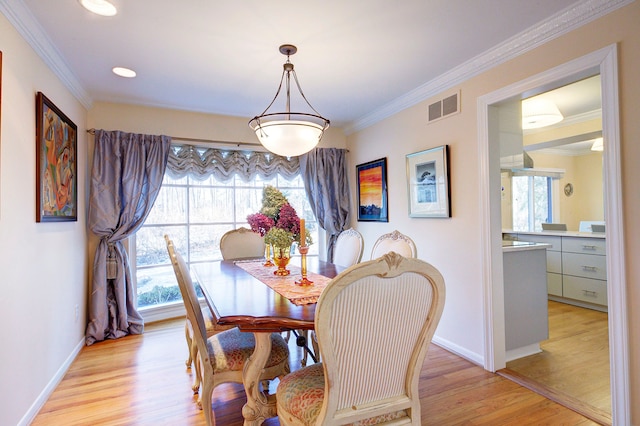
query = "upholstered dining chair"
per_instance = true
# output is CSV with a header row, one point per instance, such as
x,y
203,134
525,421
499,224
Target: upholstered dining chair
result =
x,y
223,355
241,243
349,248
238,243
347,252
394,241
374,323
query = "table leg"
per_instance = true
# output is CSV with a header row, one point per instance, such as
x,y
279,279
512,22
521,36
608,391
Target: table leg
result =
x,y
260,405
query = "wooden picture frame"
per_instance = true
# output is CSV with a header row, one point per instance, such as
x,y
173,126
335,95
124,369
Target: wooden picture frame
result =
x,y
428,183
373,205
56,164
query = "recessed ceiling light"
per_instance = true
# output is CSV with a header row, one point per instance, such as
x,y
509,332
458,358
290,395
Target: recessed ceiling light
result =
x,y
99,7
124,72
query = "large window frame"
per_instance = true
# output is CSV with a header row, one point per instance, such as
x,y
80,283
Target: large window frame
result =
x,y
147,249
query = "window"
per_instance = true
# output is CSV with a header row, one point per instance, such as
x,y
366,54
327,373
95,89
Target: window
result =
x,y
195,214
532,202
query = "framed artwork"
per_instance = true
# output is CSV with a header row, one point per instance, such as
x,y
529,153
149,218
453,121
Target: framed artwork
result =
x,y
56,164
428,183
372,191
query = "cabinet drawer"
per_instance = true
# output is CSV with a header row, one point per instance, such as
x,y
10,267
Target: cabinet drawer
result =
x,y
554,261
554,284
585,289
584,245
584,265
547,239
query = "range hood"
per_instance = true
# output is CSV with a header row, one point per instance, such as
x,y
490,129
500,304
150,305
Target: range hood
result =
x,y
519,161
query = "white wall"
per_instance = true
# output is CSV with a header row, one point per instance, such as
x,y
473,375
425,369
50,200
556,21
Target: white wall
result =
x,y
44,265
453,245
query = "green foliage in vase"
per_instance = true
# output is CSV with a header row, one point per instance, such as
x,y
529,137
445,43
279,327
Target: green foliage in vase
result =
x,y
272,201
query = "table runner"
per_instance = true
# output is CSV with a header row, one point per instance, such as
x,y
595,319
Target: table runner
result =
x,y
285,286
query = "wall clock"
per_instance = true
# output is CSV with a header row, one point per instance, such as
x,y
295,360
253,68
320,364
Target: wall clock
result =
x,y
568,190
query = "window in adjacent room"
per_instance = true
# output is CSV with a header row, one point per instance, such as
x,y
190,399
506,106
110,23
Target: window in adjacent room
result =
x,y
532,201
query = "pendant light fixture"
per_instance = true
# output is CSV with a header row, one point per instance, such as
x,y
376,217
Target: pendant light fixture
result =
x,y
539,112
289,133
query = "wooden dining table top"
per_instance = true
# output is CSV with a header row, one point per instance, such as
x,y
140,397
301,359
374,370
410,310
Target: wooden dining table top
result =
x,y
237,298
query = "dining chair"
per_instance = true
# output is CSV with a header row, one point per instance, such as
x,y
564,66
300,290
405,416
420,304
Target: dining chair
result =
x,y
349,248
222,356
374,323
241,243
394,241
347,252
238,243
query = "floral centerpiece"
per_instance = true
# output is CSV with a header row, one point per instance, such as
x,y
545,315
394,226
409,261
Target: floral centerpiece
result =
x,y
279,224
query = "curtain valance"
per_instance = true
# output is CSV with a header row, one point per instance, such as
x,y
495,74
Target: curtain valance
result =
x,y
202,162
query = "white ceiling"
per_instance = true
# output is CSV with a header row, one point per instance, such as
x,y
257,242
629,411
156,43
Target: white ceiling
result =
x,y
355,58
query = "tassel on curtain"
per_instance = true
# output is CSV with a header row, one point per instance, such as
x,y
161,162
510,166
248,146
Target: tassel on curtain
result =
x,y
125,180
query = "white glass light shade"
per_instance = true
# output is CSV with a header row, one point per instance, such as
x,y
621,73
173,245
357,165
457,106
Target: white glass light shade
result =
x,y
124,72
99,7
539,112
289,138
597,145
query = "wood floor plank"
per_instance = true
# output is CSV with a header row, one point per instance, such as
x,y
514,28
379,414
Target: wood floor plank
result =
x,y
574,363
142,380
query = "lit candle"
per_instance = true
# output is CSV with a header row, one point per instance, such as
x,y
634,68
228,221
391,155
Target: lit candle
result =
x,y
303,239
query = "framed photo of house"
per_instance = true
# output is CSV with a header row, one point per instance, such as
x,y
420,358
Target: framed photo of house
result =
x,y
372,191
428,183
56,164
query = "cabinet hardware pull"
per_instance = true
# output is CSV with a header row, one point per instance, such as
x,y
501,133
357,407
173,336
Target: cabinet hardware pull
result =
x,y
590,293
586,247
589,268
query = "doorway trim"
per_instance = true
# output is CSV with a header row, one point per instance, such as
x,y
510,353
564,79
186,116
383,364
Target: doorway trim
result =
x,y
604,62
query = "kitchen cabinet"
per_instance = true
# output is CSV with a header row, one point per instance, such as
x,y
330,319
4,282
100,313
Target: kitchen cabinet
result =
x,y
525,298
576,266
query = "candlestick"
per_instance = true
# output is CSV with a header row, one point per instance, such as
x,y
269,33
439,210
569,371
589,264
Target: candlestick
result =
x,y
303,236
303,261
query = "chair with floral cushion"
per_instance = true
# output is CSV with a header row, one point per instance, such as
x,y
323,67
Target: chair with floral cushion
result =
x,y
222,356
239,243
394,241
374,323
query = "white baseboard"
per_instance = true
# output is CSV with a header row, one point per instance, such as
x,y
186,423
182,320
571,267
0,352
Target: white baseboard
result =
x,y
458,350
51,386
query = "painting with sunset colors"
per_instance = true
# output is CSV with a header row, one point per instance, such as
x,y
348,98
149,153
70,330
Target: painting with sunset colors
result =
x,y
372,191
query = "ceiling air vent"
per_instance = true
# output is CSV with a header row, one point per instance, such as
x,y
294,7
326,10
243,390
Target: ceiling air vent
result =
x,y
444,107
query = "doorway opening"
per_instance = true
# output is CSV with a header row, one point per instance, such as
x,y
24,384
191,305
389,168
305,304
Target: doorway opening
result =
x,y
604,63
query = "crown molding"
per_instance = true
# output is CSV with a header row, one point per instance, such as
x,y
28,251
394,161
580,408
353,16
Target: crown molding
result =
x,y
25,23
575,16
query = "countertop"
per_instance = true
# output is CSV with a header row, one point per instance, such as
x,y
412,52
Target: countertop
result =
x,y
558,233
509,246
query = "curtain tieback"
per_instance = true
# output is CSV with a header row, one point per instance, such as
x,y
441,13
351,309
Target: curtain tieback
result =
x,y
112,265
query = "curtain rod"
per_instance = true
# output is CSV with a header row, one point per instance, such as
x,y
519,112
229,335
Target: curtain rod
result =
x,y
181,138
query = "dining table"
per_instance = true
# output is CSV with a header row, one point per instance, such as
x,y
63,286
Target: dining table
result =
x,y
247,294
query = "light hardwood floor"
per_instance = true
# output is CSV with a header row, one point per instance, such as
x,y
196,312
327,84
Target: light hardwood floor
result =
x,y
142,380
573,366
